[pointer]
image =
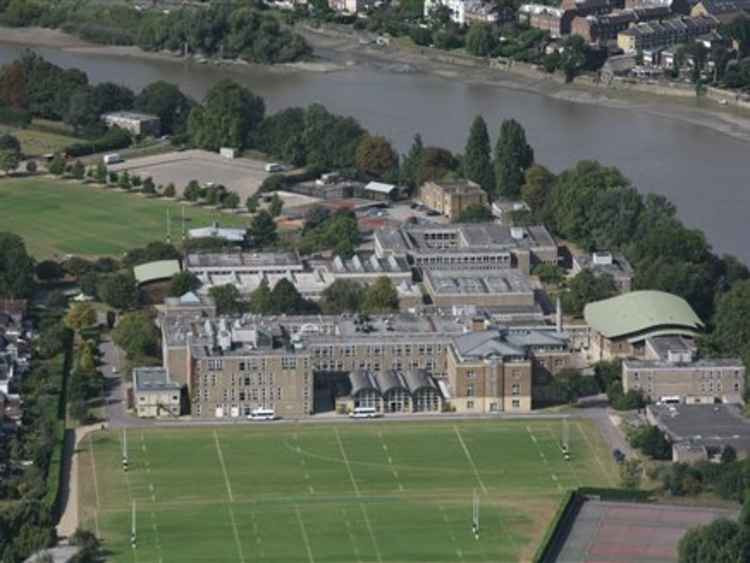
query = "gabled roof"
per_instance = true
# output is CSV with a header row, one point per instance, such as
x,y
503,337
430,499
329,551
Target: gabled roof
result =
x,y
640,311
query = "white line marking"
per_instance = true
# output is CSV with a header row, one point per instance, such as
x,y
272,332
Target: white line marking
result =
x,y
304,535
236,533
471,460
372,534
223,467
353,539
596,456
346,461
539,449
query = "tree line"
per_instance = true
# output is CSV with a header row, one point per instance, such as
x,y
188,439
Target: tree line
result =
x,y
229,29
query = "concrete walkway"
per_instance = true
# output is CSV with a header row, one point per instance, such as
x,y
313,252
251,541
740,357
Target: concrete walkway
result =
x,y
69,519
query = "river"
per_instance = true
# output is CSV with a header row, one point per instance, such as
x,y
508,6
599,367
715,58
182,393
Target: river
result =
x,y
704,172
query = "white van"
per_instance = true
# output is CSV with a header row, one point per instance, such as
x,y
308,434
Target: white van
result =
x,y
112,158
365,412
262,414
274,167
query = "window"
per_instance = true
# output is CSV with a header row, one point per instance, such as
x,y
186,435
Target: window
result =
x,y
515,389
142,399
247,381
469,404
516,404
470,390
242,395
288,362
215,365
470,374
175,397
243,366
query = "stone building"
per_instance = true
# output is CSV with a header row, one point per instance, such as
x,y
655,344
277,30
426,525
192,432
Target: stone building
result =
x,y
154,394
501,288
615,265
135,123
394,391
451,198
648,35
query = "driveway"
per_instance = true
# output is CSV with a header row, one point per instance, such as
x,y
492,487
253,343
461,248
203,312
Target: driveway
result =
x,y
115,398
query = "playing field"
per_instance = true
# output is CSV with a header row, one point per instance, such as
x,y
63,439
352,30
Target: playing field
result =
x,y
65,217
374,491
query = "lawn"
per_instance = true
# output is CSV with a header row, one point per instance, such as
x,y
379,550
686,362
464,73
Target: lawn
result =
x,y
372,491
66,217
35,142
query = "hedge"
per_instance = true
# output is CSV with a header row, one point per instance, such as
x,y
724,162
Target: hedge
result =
x,y
115,138
14,117
616,495
558,527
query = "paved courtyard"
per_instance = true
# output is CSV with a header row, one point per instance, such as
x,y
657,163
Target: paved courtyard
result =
x,y
241,175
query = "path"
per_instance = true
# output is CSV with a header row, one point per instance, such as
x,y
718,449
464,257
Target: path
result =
x,y
69,519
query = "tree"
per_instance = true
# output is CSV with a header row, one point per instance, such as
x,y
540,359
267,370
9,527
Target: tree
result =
x,y
165,100
731,334
182,283
124,181
587,287
16,267
137,334
49,270
342,296
192,191
474,214
81,112
276,205
477,158
729,455
513,156
409,172
31,166
262,229
79,410
549,273
9,143
651,441
170,191
9,160
375,156
57,165
100,173
79,170
631,474
380,297
109,96
231,200
251,203
286,299
230,114
118,290
573,56
536,188
436,163
227,299
80,316
330,140
481,40
721,541
261,300
148,186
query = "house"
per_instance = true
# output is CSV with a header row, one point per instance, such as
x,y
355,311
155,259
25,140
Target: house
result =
x,y
616,265
135,123
547,18
349,6
605,27
725,11
154,394
648,35
381,191
464,12
451,198
503,210
621,325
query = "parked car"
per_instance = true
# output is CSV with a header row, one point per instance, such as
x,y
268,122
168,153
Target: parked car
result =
x,y
618,456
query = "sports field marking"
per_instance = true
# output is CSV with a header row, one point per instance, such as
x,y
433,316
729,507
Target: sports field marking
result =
x,y
346,462
390,461
223,467
544,458
152,489
471,459
96,487
569,464
348,525
596,455
304,534
372,533
459,553
236,533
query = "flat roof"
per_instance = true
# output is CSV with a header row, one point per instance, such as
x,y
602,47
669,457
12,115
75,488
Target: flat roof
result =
x,y
153,379
158,270
639,311
242,259
708,425
479,282
380,187
134,115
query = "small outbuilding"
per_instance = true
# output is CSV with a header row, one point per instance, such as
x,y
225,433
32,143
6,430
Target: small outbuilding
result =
x,y
156,271
154,394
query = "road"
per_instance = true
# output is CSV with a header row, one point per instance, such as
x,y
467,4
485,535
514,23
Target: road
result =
x,y
115,399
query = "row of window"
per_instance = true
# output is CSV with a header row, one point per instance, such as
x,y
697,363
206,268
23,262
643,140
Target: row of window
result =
x,y
349,350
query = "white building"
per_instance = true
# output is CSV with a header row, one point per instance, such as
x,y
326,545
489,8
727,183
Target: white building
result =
x,y
155,395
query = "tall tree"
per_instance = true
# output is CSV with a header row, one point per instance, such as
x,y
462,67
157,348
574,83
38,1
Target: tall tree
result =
x,y
262,229
229,116
536,188
513,156
481,40
478,158
227,299
410,164
375,156
80,316
165,100
182,283
261,300
16,267
380,297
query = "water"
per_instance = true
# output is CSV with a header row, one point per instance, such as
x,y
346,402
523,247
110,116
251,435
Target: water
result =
x,y
704,172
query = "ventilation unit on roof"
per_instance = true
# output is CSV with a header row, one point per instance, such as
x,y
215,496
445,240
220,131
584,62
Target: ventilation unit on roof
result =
x,y
602,258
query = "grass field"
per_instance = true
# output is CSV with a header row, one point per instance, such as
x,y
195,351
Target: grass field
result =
x,y
65,217
35,142
375,492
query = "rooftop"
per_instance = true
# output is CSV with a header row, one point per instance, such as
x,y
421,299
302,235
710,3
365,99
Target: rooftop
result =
x,y
242,260
153,379
708,425
640,311
461,187
158,270
448,282
134,115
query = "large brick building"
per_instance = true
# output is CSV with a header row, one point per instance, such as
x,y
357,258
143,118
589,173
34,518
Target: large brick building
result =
x,y
649,35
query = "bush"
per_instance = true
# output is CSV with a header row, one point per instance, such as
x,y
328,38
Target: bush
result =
x,y
115,138
14,117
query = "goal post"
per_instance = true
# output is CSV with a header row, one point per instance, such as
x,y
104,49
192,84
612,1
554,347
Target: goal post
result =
x,y
565,439
475,515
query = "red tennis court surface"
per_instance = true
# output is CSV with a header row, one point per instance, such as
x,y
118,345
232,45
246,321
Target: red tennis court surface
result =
x,y
619,532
